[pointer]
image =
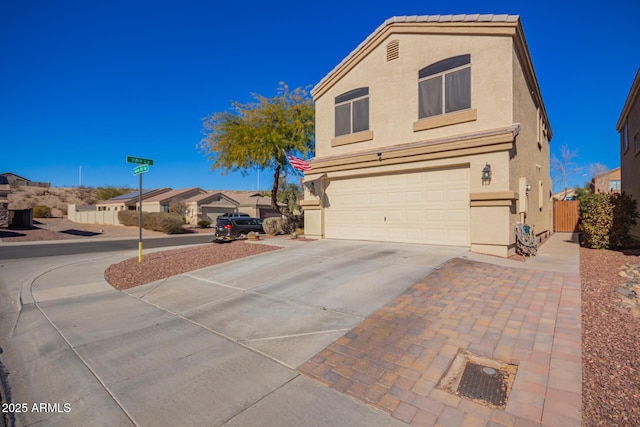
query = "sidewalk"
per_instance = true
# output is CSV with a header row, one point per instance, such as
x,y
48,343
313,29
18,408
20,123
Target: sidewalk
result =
x,y
522,313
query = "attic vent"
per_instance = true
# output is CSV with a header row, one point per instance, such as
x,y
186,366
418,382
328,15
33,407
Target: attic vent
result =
x,y
393,50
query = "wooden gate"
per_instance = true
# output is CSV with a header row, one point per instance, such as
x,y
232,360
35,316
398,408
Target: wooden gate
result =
x,y
566,214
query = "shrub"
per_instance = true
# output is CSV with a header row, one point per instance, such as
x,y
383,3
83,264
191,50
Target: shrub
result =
x,y
625,216
272,226
596,220
289,226
606,219
204,224
41,211
156,221
128,218
278,225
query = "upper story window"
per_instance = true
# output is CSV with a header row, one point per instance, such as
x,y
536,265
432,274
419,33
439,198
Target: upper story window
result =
x,y
636,143
352,111
445,86
625,137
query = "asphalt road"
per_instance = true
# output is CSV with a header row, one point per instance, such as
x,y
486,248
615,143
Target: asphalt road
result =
x,y
73,247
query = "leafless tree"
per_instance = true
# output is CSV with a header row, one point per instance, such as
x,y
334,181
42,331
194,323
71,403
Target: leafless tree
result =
x,y
596,169
564,167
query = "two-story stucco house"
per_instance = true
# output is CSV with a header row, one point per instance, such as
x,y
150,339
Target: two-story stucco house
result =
x,y
433,130
629,128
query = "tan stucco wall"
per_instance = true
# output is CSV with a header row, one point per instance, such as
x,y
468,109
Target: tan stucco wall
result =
x,y
151,207
500,97
393,90
630,161
530,158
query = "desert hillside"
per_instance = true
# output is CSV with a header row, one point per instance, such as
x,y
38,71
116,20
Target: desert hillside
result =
x,y
57,198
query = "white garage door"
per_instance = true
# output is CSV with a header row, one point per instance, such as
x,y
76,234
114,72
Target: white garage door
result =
x,y
420,207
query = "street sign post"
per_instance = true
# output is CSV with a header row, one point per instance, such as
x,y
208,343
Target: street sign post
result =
x,y
143,166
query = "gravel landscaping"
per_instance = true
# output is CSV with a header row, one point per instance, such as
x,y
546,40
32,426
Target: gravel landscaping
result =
x,y
610,342
160,265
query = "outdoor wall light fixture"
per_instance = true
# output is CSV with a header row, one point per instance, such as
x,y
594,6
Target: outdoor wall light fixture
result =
x,y
379,157
486,174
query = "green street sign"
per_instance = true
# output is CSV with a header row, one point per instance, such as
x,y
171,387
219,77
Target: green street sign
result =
x,y
141,169
139,160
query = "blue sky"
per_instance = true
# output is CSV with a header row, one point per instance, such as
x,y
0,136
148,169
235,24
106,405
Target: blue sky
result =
x,y
83,84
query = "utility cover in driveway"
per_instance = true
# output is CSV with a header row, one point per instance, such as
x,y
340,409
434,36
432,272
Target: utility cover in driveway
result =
x,y
484,383
480,379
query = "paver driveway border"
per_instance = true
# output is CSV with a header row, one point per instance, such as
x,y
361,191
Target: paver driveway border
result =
x,y
526,314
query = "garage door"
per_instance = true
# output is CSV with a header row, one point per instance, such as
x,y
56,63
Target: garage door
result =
x,y
420,207
211,213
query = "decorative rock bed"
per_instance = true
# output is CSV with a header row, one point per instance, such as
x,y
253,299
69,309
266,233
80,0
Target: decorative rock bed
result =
x,y
630,290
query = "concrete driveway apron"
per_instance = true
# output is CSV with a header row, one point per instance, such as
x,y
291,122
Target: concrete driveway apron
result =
x,y
214,346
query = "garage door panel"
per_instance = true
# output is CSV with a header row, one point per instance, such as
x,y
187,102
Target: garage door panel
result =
x,y
435,195
458,195
419,207
413,198
460,216
415,215
435,215
458,237
436,177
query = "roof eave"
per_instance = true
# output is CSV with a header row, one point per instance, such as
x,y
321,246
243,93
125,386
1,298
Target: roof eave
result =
x,y
633,94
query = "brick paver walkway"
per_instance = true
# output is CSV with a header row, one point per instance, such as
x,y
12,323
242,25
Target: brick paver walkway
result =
x,y
396,359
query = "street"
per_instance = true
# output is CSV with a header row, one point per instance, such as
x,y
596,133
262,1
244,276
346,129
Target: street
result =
x,y
73,247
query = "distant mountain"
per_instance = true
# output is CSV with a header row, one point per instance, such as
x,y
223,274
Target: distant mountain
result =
x,y
57,198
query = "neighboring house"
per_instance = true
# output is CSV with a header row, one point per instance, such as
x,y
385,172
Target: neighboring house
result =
x,y
250,202
608,182
162,202
200,204
433,130
5,188
106,211
570,194
19,181
129,201
629,128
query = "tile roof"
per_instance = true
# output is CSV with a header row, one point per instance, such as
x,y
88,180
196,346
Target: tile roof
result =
x,y
133,196
182,192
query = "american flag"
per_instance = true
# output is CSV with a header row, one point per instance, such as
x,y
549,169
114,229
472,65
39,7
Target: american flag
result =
x,y
298,163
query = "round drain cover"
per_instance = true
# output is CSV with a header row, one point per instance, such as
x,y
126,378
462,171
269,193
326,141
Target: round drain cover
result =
x,y
489,371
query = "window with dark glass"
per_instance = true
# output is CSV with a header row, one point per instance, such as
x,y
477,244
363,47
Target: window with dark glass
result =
x,y
352,112
444,87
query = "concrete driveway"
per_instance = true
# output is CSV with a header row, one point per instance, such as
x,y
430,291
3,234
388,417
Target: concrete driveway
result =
x,y
217,346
